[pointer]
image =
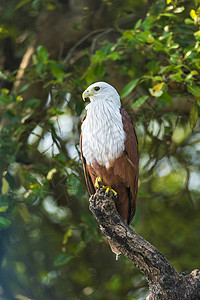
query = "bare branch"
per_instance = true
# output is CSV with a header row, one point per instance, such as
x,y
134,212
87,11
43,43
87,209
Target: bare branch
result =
x,y
164,281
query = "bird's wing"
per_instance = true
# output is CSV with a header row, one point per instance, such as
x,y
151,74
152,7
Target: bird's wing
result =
x,y
88,179
132,156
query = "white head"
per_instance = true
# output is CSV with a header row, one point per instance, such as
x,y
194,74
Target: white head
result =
x,y
102,91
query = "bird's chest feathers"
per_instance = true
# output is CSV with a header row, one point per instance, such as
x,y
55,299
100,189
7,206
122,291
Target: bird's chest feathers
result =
x,y
103,135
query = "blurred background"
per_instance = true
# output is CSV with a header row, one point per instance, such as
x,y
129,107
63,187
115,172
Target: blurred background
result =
x,y
50,51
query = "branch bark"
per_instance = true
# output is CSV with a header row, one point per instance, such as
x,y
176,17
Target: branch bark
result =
x,y
164,281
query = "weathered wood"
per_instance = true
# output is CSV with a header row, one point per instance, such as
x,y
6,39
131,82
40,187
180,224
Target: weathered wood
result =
x,y
164,281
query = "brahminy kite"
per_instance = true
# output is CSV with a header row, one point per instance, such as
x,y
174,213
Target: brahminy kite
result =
x,y
109,149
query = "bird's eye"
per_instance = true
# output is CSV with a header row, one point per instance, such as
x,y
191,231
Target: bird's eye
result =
x,y
96,88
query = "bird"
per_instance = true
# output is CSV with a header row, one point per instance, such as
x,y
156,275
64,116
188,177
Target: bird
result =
x,y
109,149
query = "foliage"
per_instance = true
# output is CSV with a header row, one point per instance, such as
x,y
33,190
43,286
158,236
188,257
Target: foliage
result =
x,y
49,238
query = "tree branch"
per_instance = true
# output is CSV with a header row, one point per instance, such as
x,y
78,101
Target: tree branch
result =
x,y
164,281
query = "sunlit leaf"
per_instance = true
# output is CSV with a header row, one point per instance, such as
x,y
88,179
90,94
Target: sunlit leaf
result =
x,y
188,21
19,98
5,91
174,46
129,88
150,39
5,186
51,173
3,208
3,30
179,10
193,14
194,72
67,234
156,91
193,115
169,15
128,35
138,23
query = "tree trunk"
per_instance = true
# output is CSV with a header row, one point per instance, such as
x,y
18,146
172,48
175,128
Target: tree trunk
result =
x,y
164,281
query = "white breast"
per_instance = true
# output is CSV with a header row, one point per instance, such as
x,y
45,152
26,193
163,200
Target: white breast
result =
x,y
103,135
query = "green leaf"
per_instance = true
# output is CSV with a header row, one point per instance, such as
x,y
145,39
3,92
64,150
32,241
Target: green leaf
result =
x,y
24,213
128,35
33,103
67,235
3,30
24,88
189,21
138,23
22,3
139,101
73,184
55,111
62,259
169,15
4,222
86,236
167,98
144,195
114,55
3,208
194,90
99,56
150,39
177,77
57,73
42,53
129,88
5,99
5,186
193,115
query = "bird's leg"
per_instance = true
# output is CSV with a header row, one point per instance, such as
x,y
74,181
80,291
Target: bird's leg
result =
x,y
99,185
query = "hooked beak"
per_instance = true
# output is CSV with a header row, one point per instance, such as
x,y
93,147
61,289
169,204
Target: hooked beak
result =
x,y
86,94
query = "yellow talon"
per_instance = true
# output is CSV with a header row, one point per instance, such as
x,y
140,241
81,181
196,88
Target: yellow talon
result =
x,y
109,189
99,185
